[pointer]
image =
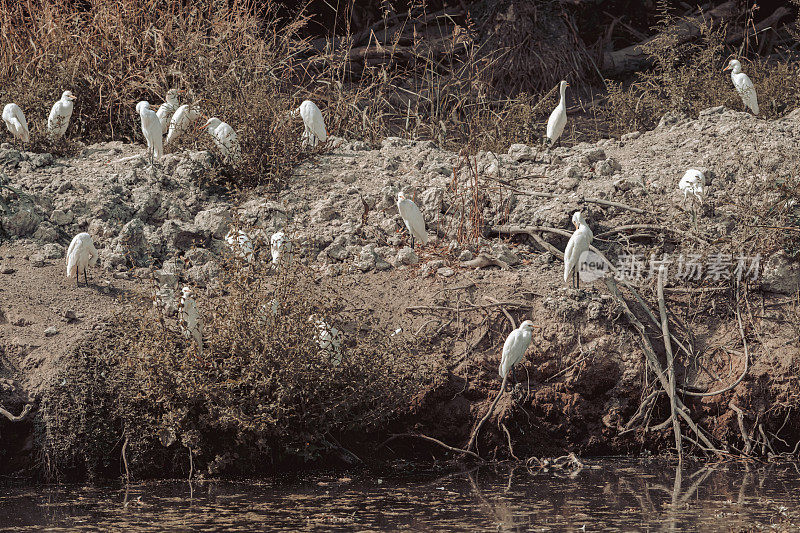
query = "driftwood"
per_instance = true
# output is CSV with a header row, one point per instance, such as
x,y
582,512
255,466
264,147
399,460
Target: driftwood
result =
x,y
662,307
483,261
634,57
16,418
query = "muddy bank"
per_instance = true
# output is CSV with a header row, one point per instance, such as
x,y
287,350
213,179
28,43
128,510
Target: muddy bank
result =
x,y
583,385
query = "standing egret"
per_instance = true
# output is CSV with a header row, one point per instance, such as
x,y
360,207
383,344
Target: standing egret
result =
x,y
314,124
190,320
693,182
224,138
280,246
60,114
578,243
183,118
743,85
329,340
151,128
413,218
558,118
80,255
240,243
16,123
515,347
168,109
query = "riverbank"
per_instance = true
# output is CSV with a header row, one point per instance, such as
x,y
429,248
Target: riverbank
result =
x,y
500,221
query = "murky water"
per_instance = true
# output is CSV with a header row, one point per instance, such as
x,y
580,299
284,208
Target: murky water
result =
x,y
607,495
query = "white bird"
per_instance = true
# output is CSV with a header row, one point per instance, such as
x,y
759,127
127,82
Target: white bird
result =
x,y
16,123
329,340
279,246
191,322
578,243
693,182
224,138
81,254
314,131
167,109
558,118
515,347
413,218
151,128
743,85
61,112
240,243
183,118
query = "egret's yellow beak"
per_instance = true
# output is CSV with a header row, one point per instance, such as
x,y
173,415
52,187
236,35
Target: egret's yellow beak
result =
x,y
73,97
726,68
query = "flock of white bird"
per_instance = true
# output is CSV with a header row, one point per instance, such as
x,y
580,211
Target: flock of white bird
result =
x,y
173,119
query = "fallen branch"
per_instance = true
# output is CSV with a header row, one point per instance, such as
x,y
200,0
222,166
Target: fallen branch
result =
x,y
22,415
435,441
662,307
584,199
652,227
483,261
488,414
503,309
655,366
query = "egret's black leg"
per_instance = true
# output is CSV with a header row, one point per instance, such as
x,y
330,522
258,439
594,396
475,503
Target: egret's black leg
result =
x,y
577,279
77,279
85,279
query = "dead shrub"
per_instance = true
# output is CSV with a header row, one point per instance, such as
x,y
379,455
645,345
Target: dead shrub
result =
x,y
263,392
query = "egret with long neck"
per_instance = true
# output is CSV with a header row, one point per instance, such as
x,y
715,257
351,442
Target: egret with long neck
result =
x,y
558,118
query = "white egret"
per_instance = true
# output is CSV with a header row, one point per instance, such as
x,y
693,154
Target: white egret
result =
x,y
61,112
515,347
329,340
80,255
693,182
279,246
413,218
224,138
578,243
240,243
168,108
190,320
181,121
743,85
16,123
314,131
151,128
558,118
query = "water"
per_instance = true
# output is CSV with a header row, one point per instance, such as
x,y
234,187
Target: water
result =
x,y
607,495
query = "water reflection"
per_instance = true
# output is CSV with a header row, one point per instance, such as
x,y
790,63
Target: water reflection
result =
x,y
605,495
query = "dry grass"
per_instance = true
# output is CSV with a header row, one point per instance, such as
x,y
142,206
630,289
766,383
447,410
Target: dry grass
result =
x,y
263,392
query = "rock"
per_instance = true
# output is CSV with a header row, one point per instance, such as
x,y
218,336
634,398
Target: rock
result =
x,y
711,111
521,152
40,160
605,167
631,136
574,172
146,201
622,184
445,272
407,256
431,266
69,315
182,235
51,331
369,259
780,274
131,240
46,232
23,222
10,158
433,201
465,255
595,154
53,251
37,260
568,183
337,250
505,254
5,269
215,221
61,218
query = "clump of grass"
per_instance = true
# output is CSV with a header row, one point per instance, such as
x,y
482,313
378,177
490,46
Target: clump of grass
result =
x,y
262,394
687,77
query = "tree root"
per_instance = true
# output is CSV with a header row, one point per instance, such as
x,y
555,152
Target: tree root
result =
x,y
435,441
20,417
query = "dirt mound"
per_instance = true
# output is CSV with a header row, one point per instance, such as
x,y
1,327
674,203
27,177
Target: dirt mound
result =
x,y
499,222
